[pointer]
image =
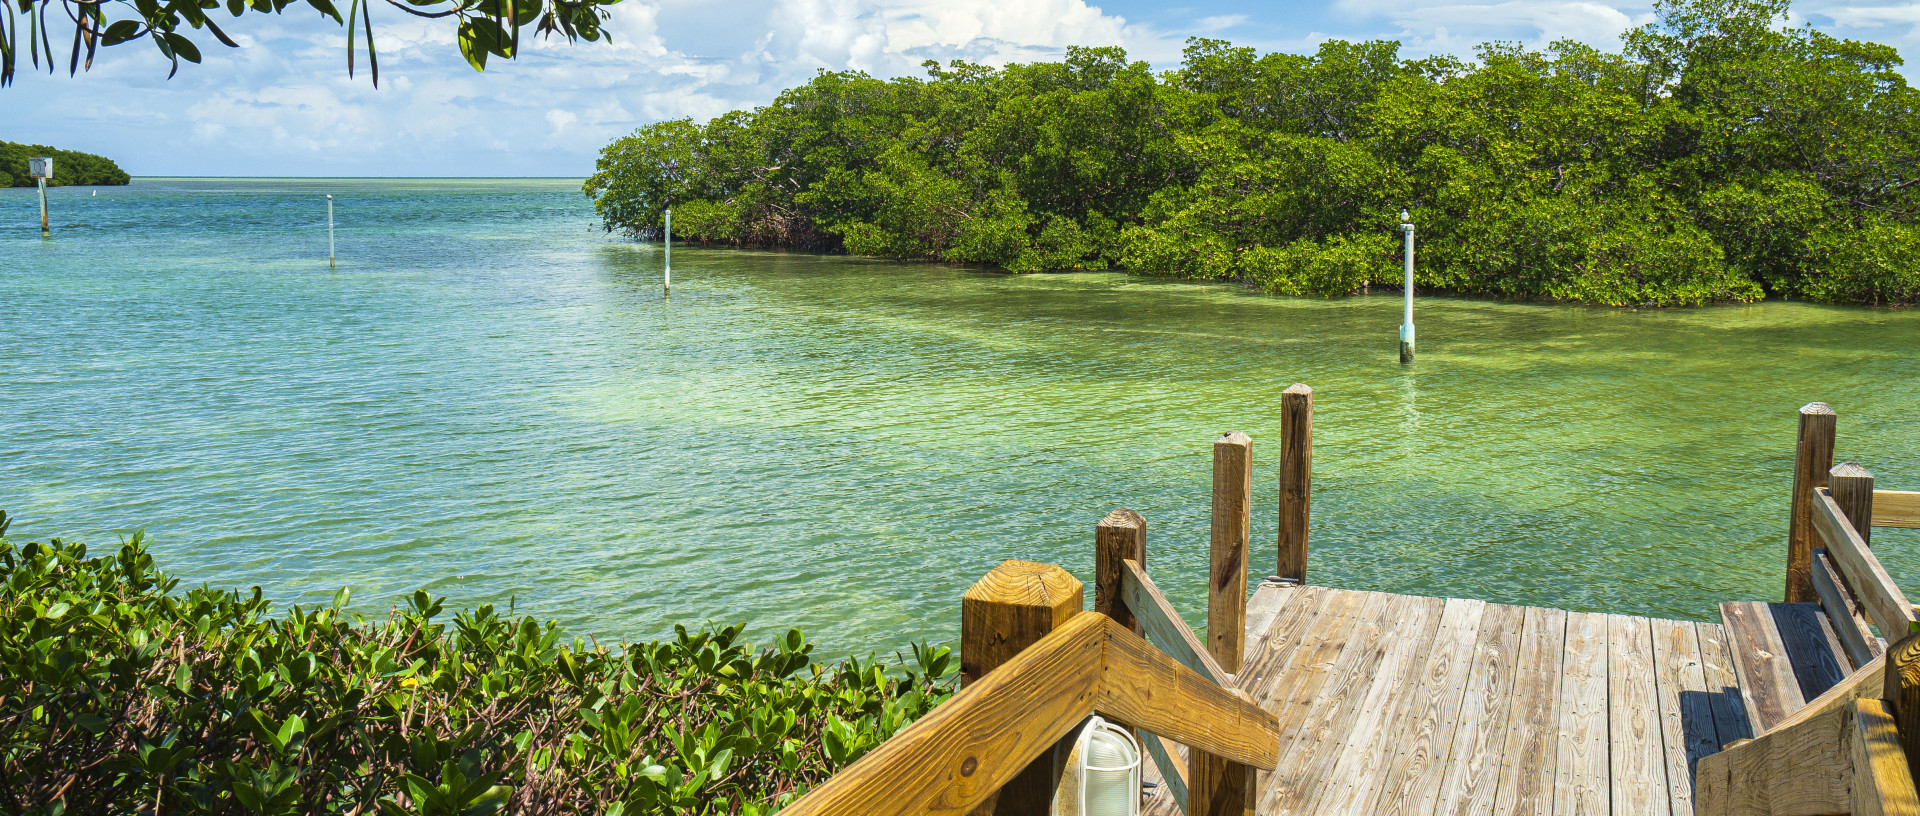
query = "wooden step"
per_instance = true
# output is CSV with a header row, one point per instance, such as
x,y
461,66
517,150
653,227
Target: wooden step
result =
x,y
1785,654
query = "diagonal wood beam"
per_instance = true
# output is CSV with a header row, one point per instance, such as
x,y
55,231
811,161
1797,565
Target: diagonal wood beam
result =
x,y
965,750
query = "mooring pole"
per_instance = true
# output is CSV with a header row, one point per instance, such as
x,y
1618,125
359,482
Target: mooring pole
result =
x,y
44,230
330,232
669,273
1406,323
41,168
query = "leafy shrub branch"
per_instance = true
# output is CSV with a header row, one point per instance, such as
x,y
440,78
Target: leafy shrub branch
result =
x,y
121,694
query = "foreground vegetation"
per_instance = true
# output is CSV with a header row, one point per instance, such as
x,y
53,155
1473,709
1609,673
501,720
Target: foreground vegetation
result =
x,y
70,168
1717,157
119,694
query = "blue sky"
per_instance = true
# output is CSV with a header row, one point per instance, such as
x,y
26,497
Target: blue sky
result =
x,y
283,105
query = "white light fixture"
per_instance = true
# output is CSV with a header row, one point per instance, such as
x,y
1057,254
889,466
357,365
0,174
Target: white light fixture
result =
x,y
1109,770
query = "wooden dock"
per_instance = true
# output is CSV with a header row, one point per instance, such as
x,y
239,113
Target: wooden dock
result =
x,y
1305,700
1398,704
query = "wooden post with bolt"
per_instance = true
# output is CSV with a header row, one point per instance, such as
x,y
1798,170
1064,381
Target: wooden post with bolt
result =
x,y
1003,613
1217,786
1812,461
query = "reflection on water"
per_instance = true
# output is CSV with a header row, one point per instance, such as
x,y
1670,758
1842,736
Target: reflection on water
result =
x,y
493,401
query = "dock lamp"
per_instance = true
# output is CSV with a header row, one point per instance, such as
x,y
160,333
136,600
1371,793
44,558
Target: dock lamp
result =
x,y
1406,324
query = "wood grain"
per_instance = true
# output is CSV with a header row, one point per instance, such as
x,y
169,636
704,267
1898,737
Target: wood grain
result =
x,y
1686,708
1896,508
1815,653
1730,720
1006,611
1227,549
1760,660
1580,782
1364,735
1852,489
1472,780
1636,742
1813,458
1147,689
1416,756
1882,599
1296,480
1314,716
1902,690
1883,782
1530,759
1121,536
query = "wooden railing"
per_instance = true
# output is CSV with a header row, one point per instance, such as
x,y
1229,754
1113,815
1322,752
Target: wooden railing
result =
x,y
1034,665
1850,750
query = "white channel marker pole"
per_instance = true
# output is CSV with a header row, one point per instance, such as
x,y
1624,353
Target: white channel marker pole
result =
x,y
330,232
1406,323
669,272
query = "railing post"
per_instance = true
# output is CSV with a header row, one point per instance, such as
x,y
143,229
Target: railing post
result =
x,y
1813,458
1852,487
1007,610
1122,535
1296,480
1215,786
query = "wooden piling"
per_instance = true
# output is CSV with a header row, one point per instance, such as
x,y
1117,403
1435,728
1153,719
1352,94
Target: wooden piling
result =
x,y
1003,613
1296,480
1813,458
1216,786
1903,689
1852,487
1120,536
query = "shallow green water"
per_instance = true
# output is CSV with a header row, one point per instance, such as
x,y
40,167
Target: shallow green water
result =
x,y
492,401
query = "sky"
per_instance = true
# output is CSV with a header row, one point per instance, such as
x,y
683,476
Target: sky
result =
x,y
283,105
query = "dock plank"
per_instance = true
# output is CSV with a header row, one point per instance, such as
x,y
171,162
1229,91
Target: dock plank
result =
x,y
1730,720
1760,661
1313,739
1369,742
1531,754
1636,744
1473,768
1686,708
1580,782
1813,649
1423,745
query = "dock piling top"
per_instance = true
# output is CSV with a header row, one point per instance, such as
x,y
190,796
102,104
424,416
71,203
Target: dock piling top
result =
x,y
1813,458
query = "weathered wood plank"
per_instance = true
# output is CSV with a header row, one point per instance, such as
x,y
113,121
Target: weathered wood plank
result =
x,y
1264,607
1580,782
1817,660
1852,488
1472,780
1813,458
1273,649
1730,720
1883,782
1313,741
1528,763
1636,745
1365,739
1296,480
1800,767
1163,626
1896,508
1849,623
1686,708
1885,604
1417,753
1761,662
1303,649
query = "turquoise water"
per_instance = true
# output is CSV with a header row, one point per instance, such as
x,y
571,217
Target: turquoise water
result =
x,y
489,398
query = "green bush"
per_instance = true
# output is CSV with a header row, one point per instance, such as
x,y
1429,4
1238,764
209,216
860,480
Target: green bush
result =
x,y
120,694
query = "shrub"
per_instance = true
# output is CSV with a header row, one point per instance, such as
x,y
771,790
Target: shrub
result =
x,y
119,694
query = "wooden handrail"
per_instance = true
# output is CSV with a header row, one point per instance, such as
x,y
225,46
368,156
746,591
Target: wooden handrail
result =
x,y
1896,508
960,754
1875,589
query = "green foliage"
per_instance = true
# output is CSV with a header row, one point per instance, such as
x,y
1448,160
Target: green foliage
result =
x,y
1718,156
70,167
120,694
482,27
